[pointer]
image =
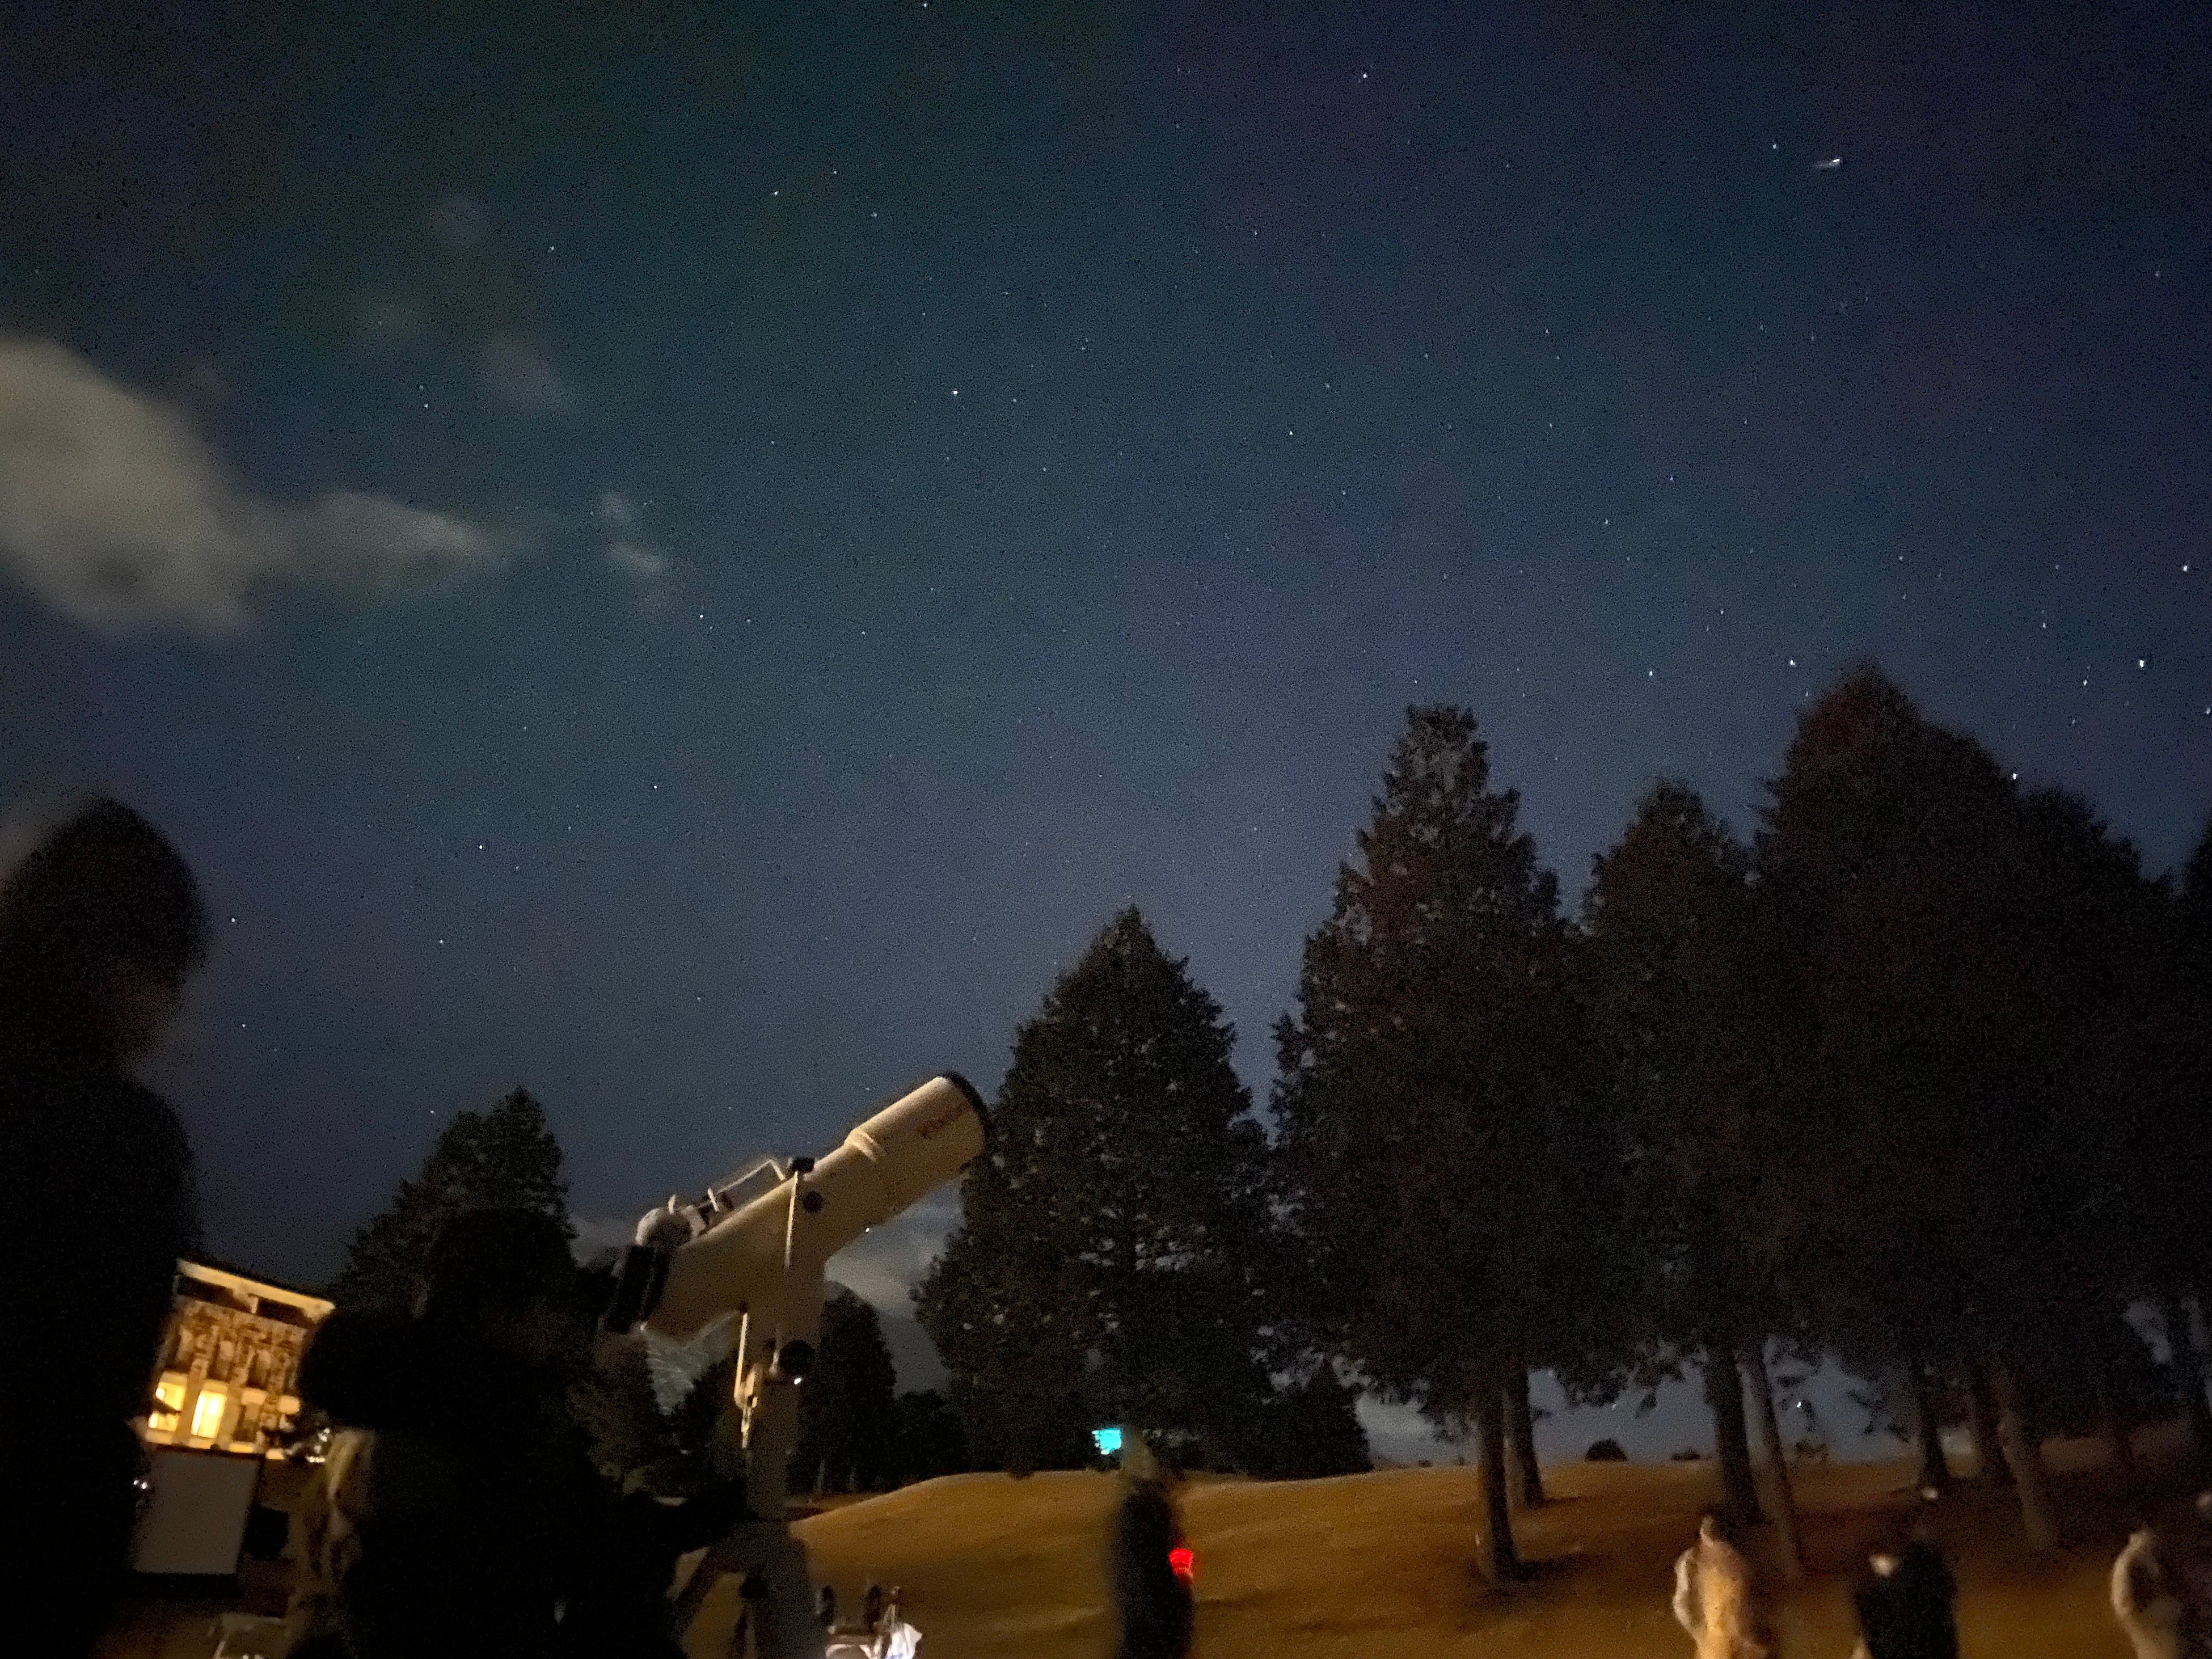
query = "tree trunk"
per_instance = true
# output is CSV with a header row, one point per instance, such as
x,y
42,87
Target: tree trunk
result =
x,y
1928,1429
1526,1478
1731,1438
1770,1434
2023,1451
2188,1373
1982,1406
1500,1561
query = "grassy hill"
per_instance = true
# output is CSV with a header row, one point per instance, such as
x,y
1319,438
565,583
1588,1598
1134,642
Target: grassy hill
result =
x,y
1381,1564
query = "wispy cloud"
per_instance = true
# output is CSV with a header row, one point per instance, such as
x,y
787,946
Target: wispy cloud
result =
x,y
623,521
520,378
883,1267
461,297
114,510
598,1234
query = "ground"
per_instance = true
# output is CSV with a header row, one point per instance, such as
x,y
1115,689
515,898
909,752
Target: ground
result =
x,y
1380,1566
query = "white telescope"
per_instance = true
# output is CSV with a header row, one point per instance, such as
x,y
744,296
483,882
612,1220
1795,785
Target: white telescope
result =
x,y
752,1253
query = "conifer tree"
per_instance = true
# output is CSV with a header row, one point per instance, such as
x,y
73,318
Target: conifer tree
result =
x,y
1905,878
504,1157
928,1439
1109,1266
1436,1156
1689,1028
847,1406
2182,1262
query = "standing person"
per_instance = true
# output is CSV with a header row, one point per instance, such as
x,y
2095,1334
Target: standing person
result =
x,y
478,1508
1906,1602
895,1637
1718,1598
101,929
1151,1596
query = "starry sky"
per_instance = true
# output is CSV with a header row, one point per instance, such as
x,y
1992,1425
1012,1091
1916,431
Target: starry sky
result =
x,y
688,555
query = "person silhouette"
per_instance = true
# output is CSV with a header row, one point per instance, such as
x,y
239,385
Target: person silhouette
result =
x,y
1718,1598
1153,1599
1905,1599
478,1509
102,927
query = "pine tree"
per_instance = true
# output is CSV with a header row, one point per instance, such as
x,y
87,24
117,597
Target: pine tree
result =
x,y
847,1409
1435,1153
1108,1266
1688,1025
1934,1080
2184,1095
928,1439
505,1157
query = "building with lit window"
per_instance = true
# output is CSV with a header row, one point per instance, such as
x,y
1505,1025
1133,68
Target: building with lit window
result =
x,y
229,1376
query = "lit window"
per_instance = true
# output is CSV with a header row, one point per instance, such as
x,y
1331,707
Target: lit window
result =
x,y
168,1401
207,1413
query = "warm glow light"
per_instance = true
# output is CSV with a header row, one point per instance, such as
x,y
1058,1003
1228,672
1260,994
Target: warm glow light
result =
x,y
168,1401
207,1414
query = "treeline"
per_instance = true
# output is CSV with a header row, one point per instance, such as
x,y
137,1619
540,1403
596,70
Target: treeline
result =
x,y
1914,1077
856,1431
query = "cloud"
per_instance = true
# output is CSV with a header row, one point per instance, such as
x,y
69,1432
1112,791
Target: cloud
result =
x,y
619,517
1400,1433
883,1265
645,563
598,1234
521,378
115,511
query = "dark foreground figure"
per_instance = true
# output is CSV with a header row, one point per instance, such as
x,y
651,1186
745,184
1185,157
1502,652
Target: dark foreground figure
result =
x,y
1906,1603
100,927
467,1519
1151,1601
467,1497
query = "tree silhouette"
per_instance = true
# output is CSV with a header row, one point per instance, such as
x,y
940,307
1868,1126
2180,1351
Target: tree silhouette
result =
x,y
1903,866
1109,1262
504,1157
1435,1156
1688,1020
927,1439
847,1419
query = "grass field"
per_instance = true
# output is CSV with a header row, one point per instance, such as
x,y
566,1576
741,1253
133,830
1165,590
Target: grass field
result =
x,y
1379,1566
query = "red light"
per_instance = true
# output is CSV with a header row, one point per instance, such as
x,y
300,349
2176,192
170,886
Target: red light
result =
x,y
1184,1563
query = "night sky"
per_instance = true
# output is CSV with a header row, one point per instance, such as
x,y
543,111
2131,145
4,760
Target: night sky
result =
x,y
689,562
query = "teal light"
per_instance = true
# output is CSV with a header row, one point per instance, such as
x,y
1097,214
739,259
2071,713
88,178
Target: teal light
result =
x,y
1109,1441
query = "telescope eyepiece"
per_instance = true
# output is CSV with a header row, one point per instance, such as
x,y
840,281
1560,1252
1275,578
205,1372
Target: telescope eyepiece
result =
x,y
802,1166
794,1360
